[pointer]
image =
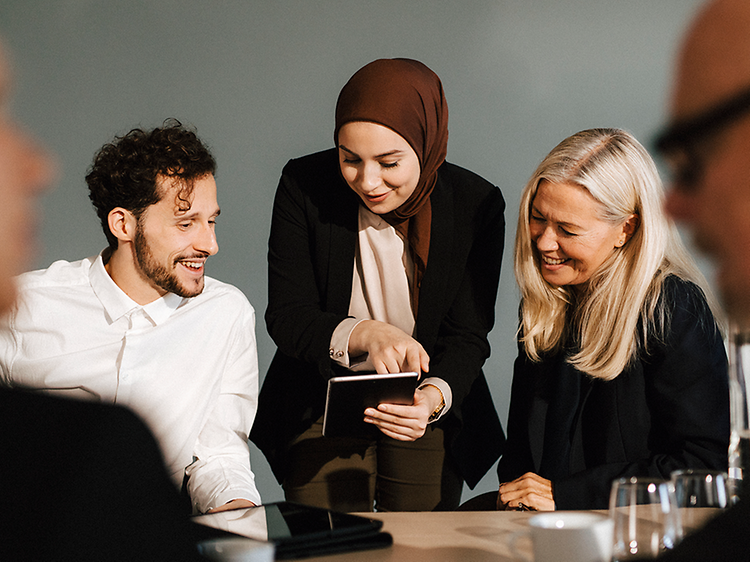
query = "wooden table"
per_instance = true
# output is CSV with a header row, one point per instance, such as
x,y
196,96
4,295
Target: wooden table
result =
x,y
470,536
473,536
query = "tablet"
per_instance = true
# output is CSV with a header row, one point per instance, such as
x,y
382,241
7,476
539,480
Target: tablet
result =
x,y
297,530
348,396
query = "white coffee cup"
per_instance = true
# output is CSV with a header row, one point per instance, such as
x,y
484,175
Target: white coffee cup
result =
x,y
568,536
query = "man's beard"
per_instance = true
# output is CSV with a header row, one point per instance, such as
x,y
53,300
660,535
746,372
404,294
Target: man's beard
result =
x,y
157,273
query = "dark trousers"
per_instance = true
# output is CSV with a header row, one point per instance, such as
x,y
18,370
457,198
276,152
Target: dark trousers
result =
x,y
347,474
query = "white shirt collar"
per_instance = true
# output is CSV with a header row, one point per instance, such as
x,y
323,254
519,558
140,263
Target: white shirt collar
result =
x,y
118,304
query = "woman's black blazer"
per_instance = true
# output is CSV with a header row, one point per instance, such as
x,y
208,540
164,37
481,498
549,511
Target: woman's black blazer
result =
x,y
310,265
669,409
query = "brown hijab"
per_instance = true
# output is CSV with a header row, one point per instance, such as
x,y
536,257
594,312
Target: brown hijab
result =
x,y
407,97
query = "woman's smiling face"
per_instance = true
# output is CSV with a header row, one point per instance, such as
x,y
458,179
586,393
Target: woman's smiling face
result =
x,y
571,239
378,164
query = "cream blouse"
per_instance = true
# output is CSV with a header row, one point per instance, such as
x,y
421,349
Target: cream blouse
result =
x,y
383,273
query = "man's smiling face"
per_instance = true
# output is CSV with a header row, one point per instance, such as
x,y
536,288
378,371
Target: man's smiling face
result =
x,y
172,242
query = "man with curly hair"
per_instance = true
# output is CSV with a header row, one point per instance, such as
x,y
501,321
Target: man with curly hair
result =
x,y
140,325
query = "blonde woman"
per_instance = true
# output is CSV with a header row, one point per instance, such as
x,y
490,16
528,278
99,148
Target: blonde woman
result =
x,y
621,368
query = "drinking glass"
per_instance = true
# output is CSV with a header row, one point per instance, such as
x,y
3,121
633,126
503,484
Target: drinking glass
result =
x,y
646,518
739,408
700,495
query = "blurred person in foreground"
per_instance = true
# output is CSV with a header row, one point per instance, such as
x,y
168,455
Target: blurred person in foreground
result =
x,y
621,369
707,145
78,481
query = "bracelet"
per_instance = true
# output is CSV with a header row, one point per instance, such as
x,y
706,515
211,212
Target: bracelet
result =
x,y
440,407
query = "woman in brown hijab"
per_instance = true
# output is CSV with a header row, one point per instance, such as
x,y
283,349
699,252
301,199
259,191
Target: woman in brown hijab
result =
x,y
383,258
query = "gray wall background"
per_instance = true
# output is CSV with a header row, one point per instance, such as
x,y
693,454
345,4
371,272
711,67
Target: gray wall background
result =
x,y
259,80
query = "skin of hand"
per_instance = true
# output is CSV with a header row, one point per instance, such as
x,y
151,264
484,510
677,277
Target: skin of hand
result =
x,y
406,423
530,489
234,504
391,350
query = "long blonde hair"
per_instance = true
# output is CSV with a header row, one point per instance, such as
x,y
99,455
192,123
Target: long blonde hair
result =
x,y
622,296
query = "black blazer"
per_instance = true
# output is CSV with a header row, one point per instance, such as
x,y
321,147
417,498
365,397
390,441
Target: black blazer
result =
x,y
311,259
668,410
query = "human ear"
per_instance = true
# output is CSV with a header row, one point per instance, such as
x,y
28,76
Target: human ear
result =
x,y
122,223
628,229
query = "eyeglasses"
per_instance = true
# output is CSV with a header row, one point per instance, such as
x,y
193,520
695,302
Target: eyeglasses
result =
x,y
686,144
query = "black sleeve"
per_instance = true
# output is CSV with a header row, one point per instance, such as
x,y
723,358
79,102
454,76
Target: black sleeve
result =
x,y
297,318
462,346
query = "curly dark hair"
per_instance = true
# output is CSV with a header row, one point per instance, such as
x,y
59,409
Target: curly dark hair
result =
x,y
125,172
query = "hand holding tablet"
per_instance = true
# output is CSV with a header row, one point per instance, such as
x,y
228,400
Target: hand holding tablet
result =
x,y
349,396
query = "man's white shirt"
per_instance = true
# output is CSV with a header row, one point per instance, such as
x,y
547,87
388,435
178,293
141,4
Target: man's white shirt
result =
x,y
187,366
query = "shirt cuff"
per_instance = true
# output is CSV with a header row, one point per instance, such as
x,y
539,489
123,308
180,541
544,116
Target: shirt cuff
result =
x,y
202,503
225,497
339,347
445,388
